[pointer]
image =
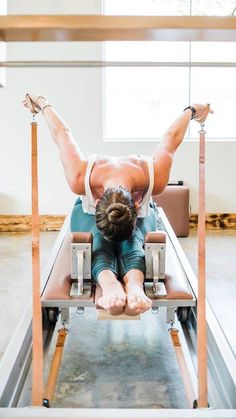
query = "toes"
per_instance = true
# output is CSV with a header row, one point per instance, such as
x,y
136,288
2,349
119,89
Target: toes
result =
x,y
139,303
116,311
102,302
121,302
147,304
112,301
132,302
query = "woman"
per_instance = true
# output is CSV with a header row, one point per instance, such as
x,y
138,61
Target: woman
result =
x,y
114,204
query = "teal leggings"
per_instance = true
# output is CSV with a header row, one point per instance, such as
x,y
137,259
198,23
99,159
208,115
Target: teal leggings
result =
x,y
116,257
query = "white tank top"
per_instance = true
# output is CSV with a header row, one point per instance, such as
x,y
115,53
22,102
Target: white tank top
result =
x,y
88,203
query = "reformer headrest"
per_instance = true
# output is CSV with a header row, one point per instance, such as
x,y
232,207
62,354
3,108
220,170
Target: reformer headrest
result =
x,y
80,237
155,237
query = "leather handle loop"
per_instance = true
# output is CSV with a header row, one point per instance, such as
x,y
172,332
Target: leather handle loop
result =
x,y
201,304
32,107
37,356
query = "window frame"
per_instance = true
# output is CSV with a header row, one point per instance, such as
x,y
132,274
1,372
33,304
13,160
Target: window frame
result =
x,y
190,64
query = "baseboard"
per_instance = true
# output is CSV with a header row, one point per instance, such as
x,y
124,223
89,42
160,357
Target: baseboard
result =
x,y
22,223
215,221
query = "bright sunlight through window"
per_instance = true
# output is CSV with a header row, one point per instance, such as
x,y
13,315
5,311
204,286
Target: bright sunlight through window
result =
x,y
141,101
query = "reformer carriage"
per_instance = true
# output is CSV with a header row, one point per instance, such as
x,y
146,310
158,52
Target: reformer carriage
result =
x,y
70,283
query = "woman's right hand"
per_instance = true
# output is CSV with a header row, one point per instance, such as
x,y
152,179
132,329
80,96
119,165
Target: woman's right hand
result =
x,y
34,103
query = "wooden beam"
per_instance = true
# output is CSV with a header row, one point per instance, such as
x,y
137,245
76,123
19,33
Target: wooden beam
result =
x,y
23,223
34,28
215,221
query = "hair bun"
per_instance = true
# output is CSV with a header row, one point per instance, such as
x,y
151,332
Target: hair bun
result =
x,y
118,213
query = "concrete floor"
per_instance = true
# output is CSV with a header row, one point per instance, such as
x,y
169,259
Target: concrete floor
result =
x,y
118,364
15,282
220,274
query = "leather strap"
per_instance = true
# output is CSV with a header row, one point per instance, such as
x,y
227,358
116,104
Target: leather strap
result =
x,y
37,362
201,305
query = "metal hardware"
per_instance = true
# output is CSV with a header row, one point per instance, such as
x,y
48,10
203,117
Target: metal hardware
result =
x,y
80,310
155,266
65,315
170,315
80,266
155,310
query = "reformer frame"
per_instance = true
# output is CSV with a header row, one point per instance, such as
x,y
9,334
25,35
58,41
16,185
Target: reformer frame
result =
x,y
97,28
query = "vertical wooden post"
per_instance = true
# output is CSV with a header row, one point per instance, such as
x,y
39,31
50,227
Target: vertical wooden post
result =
x,y
201,305
37,363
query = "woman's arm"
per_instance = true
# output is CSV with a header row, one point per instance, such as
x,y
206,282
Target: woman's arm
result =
x,y
72,159
163,154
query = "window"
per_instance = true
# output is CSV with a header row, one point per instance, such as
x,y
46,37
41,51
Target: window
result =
x,y
146,7
140,102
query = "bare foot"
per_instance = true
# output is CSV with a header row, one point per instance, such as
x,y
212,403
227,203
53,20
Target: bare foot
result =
x,y
113,298
137,301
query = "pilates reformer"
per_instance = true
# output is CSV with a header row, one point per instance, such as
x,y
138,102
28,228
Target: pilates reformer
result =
x,y
169,283
178,295
70,283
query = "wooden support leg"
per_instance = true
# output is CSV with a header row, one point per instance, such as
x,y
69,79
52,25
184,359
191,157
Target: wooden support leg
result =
x,y
183,367
55,366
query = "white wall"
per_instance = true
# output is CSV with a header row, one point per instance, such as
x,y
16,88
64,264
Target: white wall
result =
x,y
3,11
77,95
